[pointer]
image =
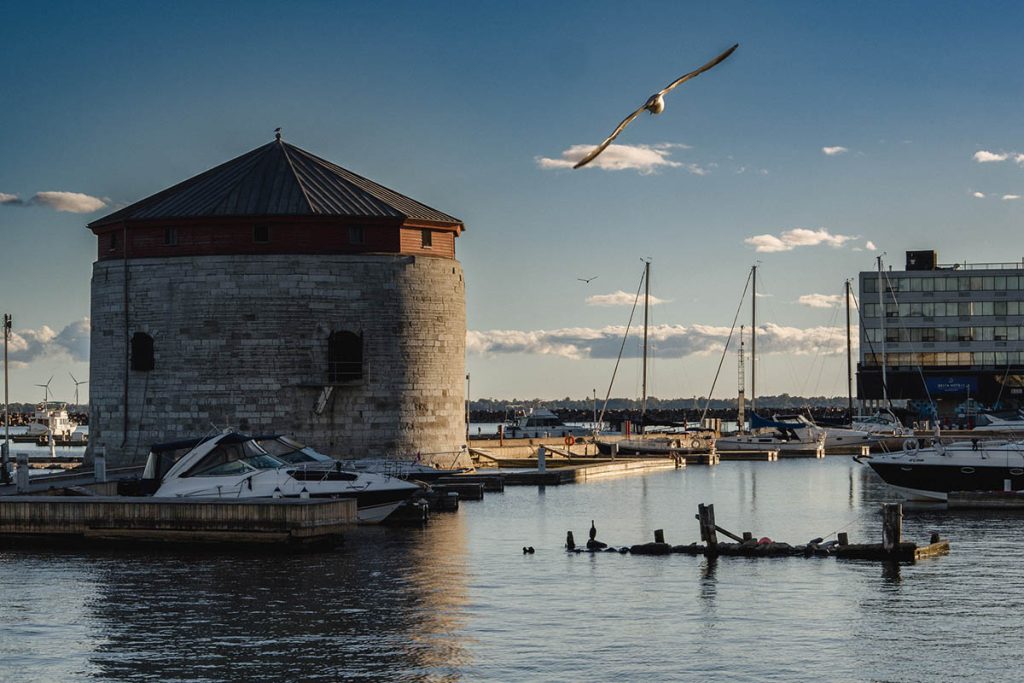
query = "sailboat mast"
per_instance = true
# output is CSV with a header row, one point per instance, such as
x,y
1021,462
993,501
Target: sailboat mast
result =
x,y
753,338
647,302
849,359
881,321
741,386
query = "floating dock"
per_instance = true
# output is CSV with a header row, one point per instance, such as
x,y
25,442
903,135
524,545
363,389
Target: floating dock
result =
x,y
120,519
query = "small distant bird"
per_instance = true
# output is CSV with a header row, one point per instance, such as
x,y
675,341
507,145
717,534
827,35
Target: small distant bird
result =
x,y
277,133
587,279
655,104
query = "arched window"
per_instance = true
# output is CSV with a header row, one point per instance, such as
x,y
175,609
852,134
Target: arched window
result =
x,y
142,352
344,357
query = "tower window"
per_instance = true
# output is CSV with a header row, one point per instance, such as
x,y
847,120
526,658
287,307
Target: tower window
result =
x,y
426,238
344,357
355,234
113,242
170,236
142,352
261,234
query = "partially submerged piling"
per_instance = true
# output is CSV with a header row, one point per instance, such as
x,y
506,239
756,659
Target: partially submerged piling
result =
x,y
891,549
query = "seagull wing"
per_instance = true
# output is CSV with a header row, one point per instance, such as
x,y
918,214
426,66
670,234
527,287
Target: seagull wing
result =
x,y
714,62
608,140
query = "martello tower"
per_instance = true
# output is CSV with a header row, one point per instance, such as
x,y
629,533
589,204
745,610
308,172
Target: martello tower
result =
x,y
281,293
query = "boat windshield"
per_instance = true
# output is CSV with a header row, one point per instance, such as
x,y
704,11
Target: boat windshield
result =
x,y
236,457
292,451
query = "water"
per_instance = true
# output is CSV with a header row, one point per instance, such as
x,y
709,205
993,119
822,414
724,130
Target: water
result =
x,y
458,600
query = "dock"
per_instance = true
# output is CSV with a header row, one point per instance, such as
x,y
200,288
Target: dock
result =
x,y
92,520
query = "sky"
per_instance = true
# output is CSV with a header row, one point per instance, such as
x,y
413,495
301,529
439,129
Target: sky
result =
x,y
835,134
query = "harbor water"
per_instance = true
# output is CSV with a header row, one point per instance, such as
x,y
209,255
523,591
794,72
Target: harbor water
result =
x,y
458,599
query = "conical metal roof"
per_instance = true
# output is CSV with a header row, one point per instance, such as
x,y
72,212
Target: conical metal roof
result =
x,y
277,179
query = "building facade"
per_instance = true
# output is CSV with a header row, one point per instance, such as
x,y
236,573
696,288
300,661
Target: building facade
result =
x,y
949,335
279,293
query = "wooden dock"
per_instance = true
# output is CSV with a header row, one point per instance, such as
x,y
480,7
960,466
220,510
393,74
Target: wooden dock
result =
x,y
131,520
966,500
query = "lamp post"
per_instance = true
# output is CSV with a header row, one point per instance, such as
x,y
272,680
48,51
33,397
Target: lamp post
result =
x,y
5,476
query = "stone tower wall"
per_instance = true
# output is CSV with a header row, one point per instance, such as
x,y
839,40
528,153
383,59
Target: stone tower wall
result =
x,y
241,341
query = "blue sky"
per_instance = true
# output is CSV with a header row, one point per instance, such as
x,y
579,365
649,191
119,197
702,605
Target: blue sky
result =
x,y
459,105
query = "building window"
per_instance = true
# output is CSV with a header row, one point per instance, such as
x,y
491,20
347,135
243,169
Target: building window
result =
x,y
261,234
426,238
355,234
344,357
170,236
142,352
113,242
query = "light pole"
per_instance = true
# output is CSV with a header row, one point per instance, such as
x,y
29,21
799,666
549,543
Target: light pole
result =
x,y
467,407
5,476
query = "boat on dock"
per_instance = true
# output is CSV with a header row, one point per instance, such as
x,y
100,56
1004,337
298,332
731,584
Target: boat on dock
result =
x,y
234,465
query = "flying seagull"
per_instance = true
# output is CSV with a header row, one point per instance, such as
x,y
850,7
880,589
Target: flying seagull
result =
x,y
587,279
655,104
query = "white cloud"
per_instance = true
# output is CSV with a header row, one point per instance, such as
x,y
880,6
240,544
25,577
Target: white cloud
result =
x,y
1010,197
29,345
667,341
870,246
72,202
978,195
797,237
620,298
984,156
820,300
833,151
643,158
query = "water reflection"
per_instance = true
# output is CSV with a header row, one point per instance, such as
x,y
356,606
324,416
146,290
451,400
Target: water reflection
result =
x,y
389,604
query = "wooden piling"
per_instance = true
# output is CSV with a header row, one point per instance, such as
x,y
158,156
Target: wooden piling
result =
x,y
706,517
892,526
843,538
659,535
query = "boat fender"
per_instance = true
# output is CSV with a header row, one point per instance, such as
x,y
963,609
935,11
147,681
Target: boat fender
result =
x,y
910,446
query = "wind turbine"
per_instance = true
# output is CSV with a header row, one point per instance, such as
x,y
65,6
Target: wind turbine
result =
x,y
46,389
77,383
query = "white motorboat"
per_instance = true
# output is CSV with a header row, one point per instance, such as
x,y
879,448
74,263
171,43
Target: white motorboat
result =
x,y
51,418
767,435
540,423
994,423
837,439
234,465
297,453
932,470
883,423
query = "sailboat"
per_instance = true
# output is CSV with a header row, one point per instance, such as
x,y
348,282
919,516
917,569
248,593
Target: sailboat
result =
x,y
787,438
679,441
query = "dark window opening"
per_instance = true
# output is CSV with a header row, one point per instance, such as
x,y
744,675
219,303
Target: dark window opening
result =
x,y
113,241
170,236
426,238
142,352
261,234
355,234
344,357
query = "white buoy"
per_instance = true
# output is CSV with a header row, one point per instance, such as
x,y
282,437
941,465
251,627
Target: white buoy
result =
x,y
277,492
